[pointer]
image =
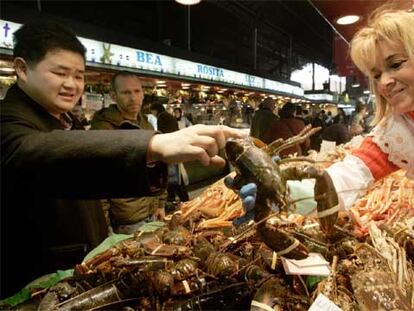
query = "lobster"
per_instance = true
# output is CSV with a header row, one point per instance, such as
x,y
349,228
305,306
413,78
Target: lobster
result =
x,y
253,163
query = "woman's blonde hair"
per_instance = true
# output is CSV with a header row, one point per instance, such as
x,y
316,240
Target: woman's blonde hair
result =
x,y
385,24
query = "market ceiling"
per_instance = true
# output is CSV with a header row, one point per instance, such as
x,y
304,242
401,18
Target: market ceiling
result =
x,y
288,33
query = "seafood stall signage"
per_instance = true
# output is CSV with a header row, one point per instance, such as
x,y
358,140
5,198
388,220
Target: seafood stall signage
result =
x,y
149,58
210,70
104,54
7,29
326,97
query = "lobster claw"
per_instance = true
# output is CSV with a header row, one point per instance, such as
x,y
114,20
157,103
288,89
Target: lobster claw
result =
x,y
326,198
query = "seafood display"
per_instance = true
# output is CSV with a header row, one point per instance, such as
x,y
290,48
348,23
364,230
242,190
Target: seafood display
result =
x,y
389,201
199,261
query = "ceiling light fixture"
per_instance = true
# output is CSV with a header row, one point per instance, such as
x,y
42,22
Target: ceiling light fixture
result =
x,y
7,69
188,2
348,19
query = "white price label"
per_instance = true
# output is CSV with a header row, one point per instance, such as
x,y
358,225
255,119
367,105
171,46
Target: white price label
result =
x,y
323,303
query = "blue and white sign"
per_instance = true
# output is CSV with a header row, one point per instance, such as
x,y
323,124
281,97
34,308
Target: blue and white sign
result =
x,y
117,55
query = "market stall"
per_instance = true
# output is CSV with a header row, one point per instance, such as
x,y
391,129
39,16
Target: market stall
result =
x,y
356,260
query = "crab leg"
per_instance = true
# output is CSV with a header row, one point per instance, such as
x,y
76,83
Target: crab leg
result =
x,y
298,139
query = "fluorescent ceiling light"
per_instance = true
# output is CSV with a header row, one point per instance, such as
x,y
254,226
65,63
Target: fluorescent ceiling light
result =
x,y
367,92
7,69
160,82
188,2
355,84
348,19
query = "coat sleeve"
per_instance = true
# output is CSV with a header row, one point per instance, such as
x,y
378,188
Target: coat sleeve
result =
x,y
79,164
376,160
358,171
101,125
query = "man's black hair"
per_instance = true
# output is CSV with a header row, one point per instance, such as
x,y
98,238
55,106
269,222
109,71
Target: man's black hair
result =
x,y
287,111
122,73
157,107
33,40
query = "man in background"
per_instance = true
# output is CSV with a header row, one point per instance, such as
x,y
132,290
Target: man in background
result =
x,y
262,120
127,214
177,175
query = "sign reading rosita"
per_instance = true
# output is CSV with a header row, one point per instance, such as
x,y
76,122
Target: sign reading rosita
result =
x,y
210,70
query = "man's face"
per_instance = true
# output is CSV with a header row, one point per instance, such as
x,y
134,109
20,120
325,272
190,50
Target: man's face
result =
x,y
128,94
56,82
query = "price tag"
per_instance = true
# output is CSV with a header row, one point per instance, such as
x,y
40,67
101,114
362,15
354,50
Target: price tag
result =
x,y
323,303
315,264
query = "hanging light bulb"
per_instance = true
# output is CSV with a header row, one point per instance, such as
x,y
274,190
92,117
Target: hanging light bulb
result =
x,y
188,2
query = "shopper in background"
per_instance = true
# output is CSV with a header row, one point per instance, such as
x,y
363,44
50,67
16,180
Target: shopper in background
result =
x,y
288,126
329,118
384,52
340,117
369,117
336,132
317,121
263,118
126,215
177,175
127,93
45,159
182,120
358,120
146,110
300,114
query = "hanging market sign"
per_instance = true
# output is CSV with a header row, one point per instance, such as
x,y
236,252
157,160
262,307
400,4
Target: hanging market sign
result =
x,y
121,56
325,97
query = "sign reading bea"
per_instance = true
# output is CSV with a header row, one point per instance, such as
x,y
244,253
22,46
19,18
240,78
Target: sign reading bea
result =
x,y
148,58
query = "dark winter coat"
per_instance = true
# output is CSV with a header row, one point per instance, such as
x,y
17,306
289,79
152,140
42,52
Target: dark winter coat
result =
x,y
111,119
125,211
261,123
166,122
42,164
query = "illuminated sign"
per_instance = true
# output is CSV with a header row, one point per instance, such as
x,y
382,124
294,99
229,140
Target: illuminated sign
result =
x,y
119,56
326,97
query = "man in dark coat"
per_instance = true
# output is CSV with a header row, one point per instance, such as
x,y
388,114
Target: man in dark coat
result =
x,y
126,215
167,123
43,159
287,127
262,120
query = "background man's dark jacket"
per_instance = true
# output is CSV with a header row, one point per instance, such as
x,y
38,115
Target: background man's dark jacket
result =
x,y
261,123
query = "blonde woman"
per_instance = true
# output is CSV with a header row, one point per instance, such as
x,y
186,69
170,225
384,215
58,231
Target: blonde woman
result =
x,y
384,51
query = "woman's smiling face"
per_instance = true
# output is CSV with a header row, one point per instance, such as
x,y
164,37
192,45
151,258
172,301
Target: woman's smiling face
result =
x,y
393,76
